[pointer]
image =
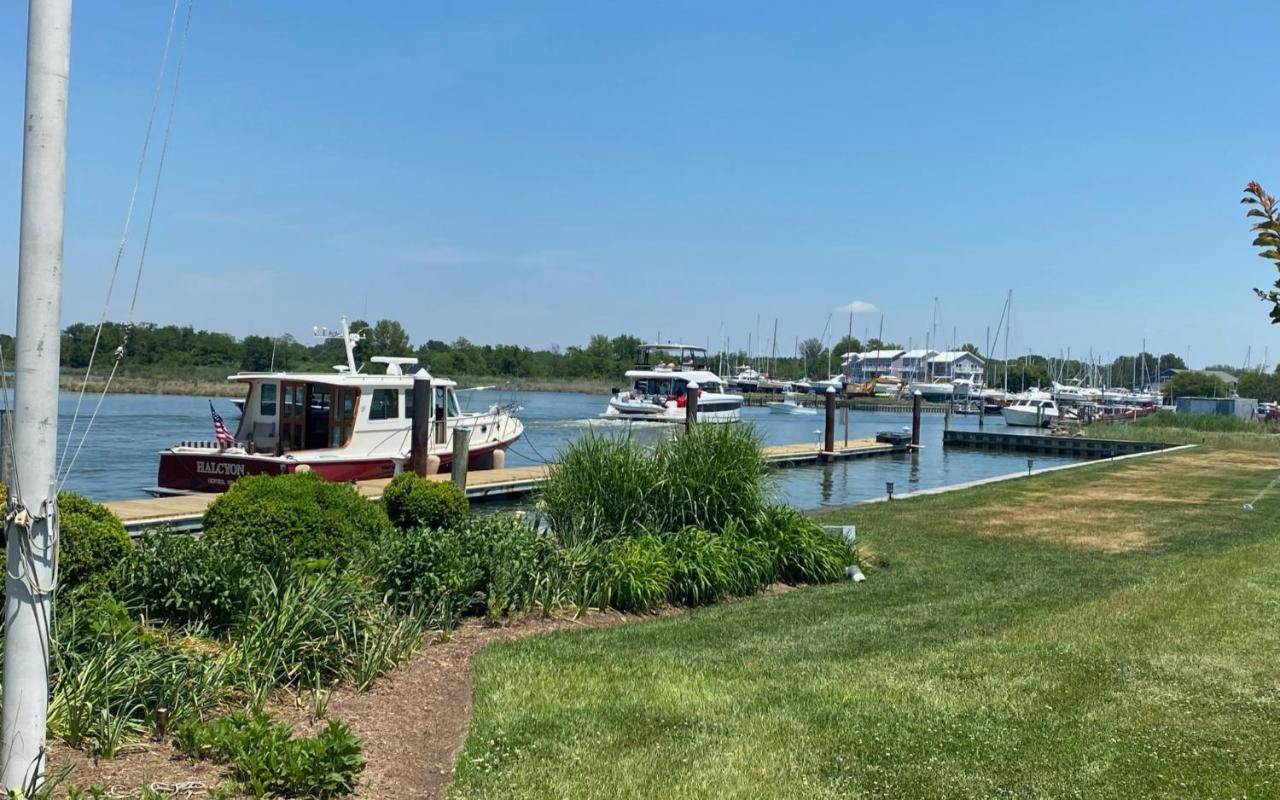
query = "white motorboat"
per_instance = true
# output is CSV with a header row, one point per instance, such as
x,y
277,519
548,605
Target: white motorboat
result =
x,y
659,391
939,392
789,405
346,425
746,379
835,381
1031,412
802,386
1074,392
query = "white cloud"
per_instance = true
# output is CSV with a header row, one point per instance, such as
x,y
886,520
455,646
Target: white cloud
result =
x,y
856,307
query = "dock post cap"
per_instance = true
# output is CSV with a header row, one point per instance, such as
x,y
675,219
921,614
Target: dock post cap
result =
x,y
830,390
692,385
422,374
918,393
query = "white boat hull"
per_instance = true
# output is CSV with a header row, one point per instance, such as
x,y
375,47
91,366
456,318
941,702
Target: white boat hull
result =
x,y
791,408
1029,417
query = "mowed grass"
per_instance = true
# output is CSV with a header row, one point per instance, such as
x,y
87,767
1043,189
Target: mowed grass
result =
x,y
1109,631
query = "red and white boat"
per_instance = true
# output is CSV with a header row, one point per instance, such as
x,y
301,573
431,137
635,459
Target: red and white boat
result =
x,y
344,426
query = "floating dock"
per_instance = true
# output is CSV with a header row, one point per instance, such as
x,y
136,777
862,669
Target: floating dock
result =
x,y
186,512
1074,446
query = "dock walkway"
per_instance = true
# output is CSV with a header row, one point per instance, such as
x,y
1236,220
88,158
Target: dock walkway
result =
x,y
186,512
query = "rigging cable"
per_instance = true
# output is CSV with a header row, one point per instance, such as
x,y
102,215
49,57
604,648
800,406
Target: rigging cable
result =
x,y
146,238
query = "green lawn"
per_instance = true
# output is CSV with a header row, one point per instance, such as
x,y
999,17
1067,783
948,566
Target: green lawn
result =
x,y
1110,631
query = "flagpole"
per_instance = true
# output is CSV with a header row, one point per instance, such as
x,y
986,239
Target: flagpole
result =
x,y
32,520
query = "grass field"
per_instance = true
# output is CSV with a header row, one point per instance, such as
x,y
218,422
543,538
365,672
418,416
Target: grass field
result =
x,y
1169,428
1108,631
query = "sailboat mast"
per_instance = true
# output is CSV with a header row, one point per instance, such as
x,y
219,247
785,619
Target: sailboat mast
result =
x,y
773,356
1008,323
32,548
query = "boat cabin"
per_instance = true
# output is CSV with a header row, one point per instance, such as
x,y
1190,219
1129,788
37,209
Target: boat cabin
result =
x,y
291,412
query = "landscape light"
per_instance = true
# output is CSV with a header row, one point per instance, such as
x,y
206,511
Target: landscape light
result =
x,y
888,488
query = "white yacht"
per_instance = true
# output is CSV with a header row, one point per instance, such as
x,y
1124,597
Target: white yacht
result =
x,y
659,388
345,425
1036,409
789,405
1074,392
747,379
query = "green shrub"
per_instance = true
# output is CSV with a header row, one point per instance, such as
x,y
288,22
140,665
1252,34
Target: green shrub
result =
x,y
414,502
274,519
266,760
427,572
802,550
637,574
702,570
751,559
180,580
711,474
92,542
601,486
491,562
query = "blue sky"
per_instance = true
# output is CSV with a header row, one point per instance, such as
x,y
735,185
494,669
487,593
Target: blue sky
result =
x,y
541,172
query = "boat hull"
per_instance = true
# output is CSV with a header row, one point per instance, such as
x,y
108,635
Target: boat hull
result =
x,y
794,409
1028,417
212,471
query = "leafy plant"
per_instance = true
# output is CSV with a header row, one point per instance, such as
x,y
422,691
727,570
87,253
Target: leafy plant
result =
x,y
702,570
712,474
274,519
802,550
601,486
427,571
415,502
92,543
180,580
751,559
266,760
1267,228
109,674
637,574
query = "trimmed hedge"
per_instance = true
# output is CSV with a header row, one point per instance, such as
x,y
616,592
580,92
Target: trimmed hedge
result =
x,y
93,541
414,502
278,519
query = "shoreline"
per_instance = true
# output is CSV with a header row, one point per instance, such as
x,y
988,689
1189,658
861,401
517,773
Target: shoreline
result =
x,y
198,387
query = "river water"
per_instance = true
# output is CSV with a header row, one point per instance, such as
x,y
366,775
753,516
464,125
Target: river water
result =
x,y
119,456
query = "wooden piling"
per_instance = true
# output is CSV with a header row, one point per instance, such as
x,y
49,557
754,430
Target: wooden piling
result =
x,y
461,448
420,428
946,422
916,400
829,434
691,405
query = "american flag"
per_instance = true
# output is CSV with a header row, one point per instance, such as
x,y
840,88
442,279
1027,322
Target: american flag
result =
x,y
219,429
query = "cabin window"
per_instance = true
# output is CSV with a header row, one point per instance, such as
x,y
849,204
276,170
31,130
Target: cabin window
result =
x,y
453,404
385,404
267,400
408,404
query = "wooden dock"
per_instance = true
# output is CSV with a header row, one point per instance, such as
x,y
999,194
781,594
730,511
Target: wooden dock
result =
x,y
1075,446
186,512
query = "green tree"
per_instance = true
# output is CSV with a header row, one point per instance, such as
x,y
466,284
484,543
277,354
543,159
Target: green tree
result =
x,y
811,350
1196,384
256,353
1267,229
1260,386
387,338
848,344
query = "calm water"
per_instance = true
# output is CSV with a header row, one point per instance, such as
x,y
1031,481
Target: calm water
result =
x,y
120,456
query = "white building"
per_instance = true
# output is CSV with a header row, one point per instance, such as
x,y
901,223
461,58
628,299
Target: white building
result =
x,y
859,367
956,365
912,365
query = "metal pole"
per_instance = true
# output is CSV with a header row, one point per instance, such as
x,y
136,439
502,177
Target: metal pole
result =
x,y
420,430
461,442
691,405
32,533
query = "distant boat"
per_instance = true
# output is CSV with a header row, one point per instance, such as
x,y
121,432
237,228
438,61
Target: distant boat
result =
x,y
659,392
788,405
1031,412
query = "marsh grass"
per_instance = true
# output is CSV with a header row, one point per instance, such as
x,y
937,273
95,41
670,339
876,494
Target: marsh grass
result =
x,y
1020,660
1166,427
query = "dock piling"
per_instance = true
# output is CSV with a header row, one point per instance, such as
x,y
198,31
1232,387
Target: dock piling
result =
x,y
461,442
691,405
946,422
829,434
420,428
916,400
